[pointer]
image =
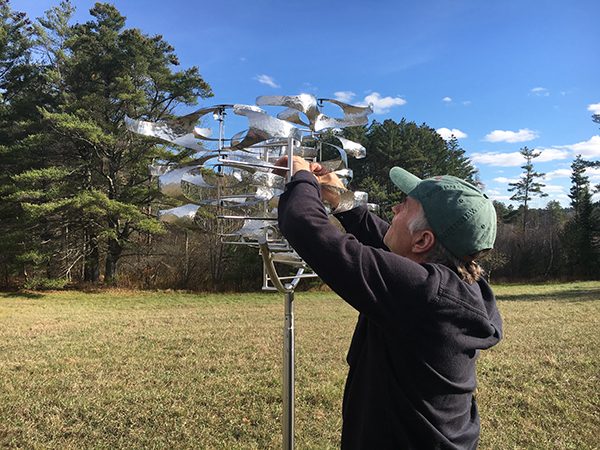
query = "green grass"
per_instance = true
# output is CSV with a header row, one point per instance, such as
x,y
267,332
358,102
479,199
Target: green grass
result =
x,y
171,370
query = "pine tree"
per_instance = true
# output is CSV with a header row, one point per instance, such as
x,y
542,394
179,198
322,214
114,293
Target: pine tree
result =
x,y
581,232
17,75
88,191
527,186
416,148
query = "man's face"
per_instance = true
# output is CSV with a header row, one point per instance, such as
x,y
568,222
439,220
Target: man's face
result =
x,y
398,238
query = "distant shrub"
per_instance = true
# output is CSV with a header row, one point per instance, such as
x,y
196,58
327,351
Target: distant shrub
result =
x,y
45,284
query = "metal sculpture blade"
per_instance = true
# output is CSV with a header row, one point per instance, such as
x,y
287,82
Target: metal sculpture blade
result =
x,y
324,122
253,229
338,163
353,116
350,110
182,216
304,103
170,182
292,115
179,131
262,127
347,199
352,148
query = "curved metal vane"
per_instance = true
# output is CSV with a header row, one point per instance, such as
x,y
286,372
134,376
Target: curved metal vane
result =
x,y
182,216
179,131
349,110
352,148
304,103
324,122
262,127
353,116
292,115
253,229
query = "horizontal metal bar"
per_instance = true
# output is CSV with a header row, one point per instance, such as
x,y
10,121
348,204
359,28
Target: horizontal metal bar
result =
x,y
232,163
248,218
291,277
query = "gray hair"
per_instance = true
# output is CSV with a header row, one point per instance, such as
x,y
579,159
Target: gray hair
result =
x,y
469,270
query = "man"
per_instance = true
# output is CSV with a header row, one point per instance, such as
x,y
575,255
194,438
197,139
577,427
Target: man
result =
x,y
425,311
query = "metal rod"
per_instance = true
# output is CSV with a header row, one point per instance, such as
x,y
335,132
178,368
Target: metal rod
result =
x,y
298,277
243,164
247,217
288,372
288,328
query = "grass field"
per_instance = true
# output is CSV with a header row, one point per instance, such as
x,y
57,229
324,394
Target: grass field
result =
x,y
172,370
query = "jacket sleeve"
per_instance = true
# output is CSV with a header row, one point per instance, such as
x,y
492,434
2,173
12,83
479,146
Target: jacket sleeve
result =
x,y
367,227
386,287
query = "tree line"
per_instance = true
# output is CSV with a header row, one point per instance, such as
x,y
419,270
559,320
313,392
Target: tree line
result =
x,y
77,204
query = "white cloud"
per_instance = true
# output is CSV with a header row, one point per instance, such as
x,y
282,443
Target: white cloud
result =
x,y
540,91
498,159
447,99
344,96
594,108
551,154
514,159
594,174
587,149
495,194
523,135
382,105
447,133
266,79
558,173
505,180
466,102
553,189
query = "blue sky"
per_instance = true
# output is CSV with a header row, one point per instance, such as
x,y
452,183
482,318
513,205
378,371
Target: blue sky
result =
x,y
502,74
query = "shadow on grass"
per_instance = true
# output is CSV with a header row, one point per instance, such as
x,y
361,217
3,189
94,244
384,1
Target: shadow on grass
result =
x,y
21,294
579,295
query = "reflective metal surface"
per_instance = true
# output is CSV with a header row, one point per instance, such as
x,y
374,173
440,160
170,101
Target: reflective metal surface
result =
x,y
350,110
182,216
235,192
324,122
179,131
262,127
352,148
304,103
292,115
233,189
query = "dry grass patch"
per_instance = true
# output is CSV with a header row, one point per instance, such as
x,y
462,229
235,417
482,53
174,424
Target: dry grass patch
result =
x,y
171,370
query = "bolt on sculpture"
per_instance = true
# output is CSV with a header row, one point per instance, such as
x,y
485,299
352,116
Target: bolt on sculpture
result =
x,y
232,190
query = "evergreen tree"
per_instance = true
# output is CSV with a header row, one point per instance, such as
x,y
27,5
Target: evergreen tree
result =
x,y
88,191
527,186
418,149
581,233
17,75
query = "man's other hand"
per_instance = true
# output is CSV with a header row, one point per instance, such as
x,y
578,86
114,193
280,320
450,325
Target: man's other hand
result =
x,y
298,163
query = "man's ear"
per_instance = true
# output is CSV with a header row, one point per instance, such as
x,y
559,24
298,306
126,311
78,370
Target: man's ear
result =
x,y
423,241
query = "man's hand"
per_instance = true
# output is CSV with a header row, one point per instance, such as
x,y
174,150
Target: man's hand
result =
x,y
331,185
298,163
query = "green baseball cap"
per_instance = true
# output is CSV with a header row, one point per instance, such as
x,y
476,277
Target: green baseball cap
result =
x,y
461,216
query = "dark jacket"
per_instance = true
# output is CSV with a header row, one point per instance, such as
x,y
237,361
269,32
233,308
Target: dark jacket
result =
x,y
420,328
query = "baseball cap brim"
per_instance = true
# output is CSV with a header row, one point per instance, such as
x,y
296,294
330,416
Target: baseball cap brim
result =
x,y
403,179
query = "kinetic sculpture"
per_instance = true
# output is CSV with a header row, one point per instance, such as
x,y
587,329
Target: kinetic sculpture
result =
x,y
233,192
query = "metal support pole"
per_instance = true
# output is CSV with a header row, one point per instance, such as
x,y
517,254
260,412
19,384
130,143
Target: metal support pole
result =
x,y
288,372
